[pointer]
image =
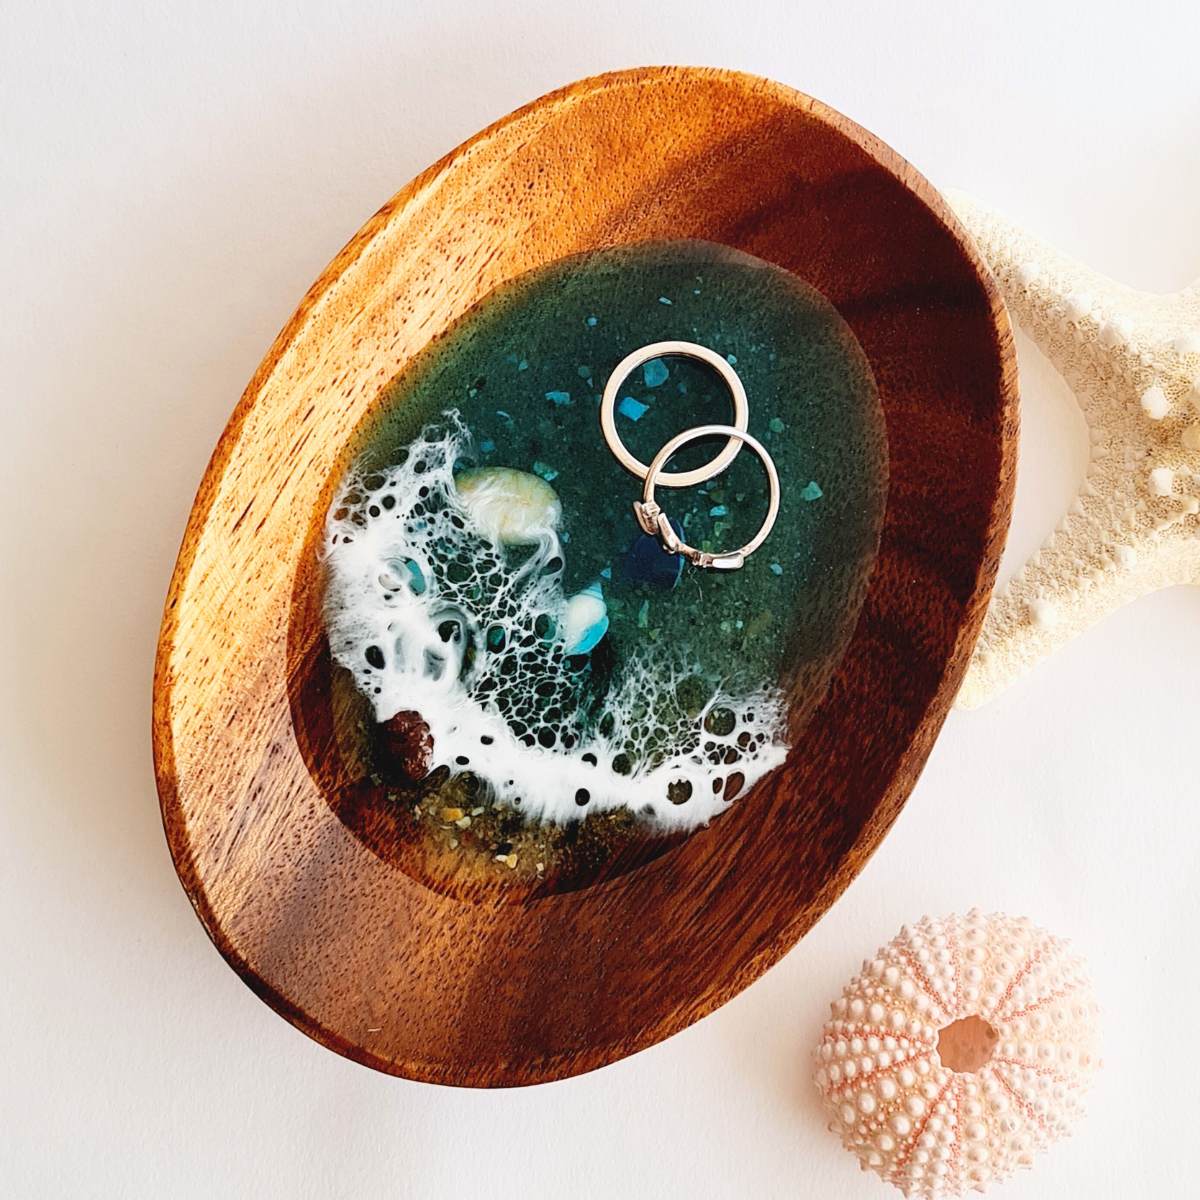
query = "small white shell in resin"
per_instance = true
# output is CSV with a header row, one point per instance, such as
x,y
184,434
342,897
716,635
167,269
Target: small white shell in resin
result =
x,y
959,1051
585,620
513,508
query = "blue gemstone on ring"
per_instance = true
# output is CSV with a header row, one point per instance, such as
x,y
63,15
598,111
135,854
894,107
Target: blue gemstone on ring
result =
x,y
648,564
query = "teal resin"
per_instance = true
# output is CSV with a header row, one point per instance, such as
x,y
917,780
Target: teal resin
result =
x,y
524,370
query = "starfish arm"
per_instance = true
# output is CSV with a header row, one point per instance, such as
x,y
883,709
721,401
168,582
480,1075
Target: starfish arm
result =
x,y
1018,260
1132,360
1055,597
1081,319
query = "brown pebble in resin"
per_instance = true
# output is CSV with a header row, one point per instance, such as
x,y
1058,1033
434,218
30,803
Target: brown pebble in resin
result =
x,y
406,746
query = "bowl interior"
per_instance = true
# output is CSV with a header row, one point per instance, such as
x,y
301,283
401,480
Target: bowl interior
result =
x,y
358,952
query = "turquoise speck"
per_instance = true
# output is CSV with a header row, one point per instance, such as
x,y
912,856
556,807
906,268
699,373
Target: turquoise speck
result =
x,y
811,491
776,425
631,408
592,320
505,417
664,300
548,473
718,510
523,365
559,398
585,372
606,573
776,569
655,372
487,445
731,359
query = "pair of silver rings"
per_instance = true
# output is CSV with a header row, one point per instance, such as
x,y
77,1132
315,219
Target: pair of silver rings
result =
x,y
650,516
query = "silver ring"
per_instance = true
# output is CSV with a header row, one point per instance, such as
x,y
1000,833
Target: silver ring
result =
x,y
630,363
656,523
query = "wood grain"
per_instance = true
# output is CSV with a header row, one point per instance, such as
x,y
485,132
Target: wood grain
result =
x,y
355,952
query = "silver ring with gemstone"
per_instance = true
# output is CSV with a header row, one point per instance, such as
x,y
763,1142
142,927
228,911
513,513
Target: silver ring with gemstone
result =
x,y
657,524
629,364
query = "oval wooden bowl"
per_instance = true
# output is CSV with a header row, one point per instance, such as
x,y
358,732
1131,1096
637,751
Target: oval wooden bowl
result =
x,y
356,953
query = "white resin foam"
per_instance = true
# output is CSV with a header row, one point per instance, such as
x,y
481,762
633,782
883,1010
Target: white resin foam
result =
x,y
429,613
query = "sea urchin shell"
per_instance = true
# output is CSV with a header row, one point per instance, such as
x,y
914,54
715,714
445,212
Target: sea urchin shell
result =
x,y
960,1049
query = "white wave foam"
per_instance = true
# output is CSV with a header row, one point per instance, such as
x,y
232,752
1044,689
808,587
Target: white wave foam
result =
x,y
430,614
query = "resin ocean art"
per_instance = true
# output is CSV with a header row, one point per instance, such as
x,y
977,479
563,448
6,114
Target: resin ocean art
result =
x,y
446,598
534,686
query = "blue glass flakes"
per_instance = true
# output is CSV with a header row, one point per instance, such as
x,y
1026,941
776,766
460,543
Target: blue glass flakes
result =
x,y
655,372
631,408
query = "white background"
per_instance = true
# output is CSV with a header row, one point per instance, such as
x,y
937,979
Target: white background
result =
x,y
172,178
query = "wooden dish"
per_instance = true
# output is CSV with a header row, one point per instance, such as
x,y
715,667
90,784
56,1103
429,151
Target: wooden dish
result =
x,y
358,954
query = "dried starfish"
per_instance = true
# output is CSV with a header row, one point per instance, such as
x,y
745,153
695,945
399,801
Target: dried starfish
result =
x,y
1132,359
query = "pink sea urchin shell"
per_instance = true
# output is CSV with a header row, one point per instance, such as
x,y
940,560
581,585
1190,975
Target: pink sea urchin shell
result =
x,y
960,1049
